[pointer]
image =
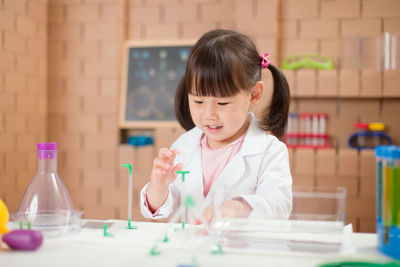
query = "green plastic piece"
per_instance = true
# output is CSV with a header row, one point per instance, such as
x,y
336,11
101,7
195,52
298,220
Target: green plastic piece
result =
x,y
218,251
183,174
166,239
29,225
130,226
360,264
154,252
21,225
128,166
307,61
105,231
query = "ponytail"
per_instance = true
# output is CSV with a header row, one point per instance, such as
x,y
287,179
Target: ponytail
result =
x,y
274,118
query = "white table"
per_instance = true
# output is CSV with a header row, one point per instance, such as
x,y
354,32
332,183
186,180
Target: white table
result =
x,y
90,247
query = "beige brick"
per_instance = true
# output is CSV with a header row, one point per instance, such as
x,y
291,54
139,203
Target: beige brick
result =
x,y
144,14
325,162
37,47
361,207
367,164
340,9
331,48
306,82
14,82
37,123
293,47
289,29
37,11
15,123
82,13
361,27
14,42
180,14
371,83
99,212
306,180
18,7
319,28
74,159
255,27
367,187
244,9
347,162
67,105
102,31
108,160
349,83
108,123
70,68
109,87
115,198
70,177
351,185
125,154
15,161
88,195
216,12
100,105
381,8
82,123
391,83
63,32
136,31
99,178
194,30
110,50
112,11
145,157
87,87
27,65
107,141
266,9
391,25
26,26
82,49
97,67
26,141
56,14
367,225
161,31
304,162
327,83
292,9
27,103
7,61
390,107
353,108
7,21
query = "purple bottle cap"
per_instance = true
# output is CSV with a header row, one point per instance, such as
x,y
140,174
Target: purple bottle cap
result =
x,y
47,146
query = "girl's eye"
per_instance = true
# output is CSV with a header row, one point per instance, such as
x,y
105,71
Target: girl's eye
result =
x,y
223,103
198,101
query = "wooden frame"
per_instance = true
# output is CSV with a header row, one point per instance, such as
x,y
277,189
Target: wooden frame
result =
x,y
130,86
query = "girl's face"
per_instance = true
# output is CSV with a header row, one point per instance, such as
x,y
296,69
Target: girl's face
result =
x,y
223,119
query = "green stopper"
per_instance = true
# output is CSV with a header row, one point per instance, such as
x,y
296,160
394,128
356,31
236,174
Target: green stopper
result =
x,y
189,202
128,166
130,226
183,174
29,225
166,239
21,225
105,231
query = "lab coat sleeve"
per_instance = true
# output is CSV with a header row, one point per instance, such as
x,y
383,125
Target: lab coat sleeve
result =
x,y
273,193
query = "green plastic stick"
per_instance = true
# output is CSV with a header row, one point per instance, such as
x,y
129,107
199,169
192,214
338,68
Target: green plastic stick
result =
x,y
29,225
129,196
21,225
154,252
184,210
105,231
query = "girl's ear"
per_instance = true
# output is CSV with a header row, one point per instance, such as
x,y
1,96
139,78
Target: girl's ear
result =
x,y
256,93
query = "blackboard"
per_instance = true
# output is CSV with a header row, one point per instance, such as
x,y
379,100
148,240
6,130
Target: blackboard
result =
x,y
151,74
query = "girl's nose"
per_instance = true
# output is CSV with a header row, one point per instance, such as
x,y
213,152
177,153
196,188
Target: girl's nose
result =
x,y
211,111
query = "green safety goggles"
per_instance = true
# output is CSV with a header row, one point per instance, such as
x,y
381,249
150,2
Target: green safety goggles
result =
x,y
307,61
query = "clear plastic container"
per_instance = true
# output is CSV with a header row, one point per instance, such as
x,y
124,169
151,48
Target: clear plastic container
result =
x,y
316,225
46,203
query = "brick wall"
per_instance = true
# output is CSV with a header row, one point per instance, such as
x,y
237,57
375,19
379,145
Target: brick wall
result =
x,y
60,78
23,93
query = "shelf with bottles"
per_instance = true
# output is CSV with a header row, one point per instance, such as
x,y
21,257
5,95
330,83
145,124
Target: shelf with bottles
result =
x,y
307,130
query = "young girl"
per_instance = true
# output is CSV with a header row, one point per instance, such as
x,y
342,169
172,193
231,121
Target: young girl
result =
x,y
225,149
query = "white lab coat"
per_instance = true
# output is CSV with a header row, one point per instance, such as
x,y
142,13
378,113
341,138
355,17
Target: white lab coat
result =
x,y
259,173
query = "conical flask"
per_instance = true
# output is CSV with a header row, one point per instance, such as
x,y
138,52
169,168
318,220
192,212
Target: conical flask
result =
x,y
46,204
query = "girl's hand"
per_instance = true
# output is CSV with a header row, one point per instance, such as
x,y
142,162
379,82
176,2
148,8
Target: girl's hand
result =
x,y
162,174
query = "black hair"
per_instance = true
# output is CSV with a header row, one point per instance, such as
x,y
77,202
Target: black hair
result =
x,y
221,64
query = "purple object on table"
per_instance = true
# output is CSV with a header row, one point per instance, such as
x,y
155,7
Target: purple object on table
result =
x,y
23,239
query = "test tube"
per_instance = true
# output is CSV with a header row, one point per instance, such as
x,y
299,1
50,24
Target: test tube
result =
x,y
307,125
289,130
322,129
315,123
361,129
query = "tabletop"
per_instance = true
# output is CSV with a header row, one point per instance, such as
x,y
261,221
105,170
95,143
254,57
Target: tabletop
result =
x,y
148,246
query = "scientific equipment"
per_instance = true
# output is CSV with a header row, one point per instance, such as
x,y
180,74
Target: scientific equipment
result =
x,y
4,217
129,196
306,130
46,203
369,136
388,199
316,225
23,239
307,61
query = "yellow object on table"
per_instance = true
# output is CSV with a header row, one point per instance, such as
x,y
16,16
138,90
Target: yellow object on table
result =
x,y
4,217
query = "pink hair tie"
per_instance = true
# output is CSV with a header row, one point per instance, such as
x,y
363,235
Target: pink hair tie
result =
x,y
265,61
